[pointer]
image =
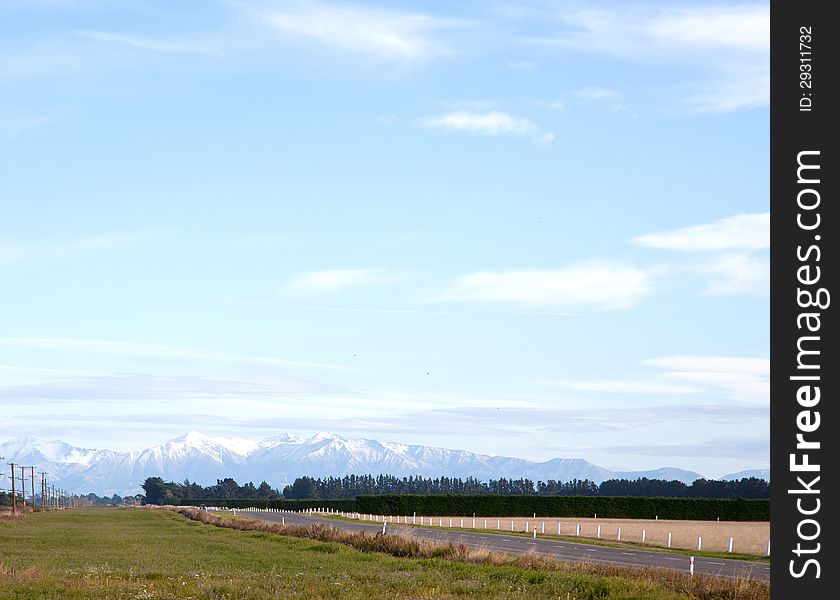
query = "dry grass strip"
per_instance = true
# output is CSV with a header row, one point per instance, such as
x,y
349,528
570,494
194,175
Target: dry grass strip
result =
x,y
403,544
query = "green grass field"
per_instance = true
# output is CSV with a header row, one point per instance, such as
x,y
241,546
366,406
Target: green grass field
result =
x,y
130,553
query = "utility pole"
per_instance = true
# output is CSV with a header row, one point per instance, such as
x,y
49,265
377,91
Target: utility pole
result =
x,y
43,490
14,498
23,486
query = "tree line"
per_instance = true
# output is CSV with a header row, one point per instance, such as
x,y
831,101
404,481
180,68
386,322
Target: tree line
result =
x,y
351,486
159,491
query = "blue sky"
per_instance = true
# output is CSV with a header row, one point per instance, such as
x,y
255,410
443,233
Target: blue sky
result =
x,y
528,228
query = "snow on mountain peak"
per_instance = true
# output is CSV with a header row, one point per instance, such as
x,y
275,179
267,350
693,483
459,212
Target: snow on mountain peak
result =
x,y
282,458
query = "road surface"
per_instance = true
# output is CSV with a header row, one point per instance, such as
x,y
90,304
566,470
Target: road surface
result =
x,y
566,551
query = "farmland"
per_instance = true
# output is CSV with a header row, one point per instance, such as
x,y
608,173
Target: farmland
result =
x,y
132,553
748,538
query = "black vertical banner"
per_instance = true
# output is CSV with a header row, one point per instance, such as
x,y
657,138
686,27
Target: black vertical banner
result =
x,y
805,439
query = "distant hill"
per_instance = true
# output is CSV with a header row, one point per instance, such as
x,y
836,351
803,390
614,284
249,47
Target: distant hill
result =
x,y
280,459
757,473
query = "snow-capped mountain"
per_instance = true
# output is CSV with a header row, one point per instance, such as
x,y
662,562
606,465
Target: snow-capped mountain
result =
x,y
280,459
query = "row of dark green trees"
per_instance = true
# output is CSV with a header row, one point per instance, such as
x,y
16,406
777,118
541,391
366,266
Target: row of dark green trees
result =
x,y
158,491
351,486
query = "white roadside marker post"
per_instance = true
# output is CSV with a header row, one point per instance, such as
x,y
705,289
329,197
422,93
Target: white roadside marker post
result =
x,y
643,536
699,543
691,566
619,534
535,532
578,530
598,534
669,539
730,545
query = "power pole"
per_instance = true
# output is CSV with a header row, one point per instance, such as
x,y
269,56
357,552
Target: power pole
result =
x,y
43,490
23,486
22,480
14,498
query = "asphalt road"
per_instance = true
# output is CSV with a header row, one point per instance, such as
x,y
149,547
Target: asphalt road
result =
x,y
566,551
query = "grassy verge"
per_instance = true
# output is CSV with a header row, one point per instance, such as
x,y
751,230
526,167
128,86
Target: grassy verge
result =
x,y
131,553
586,541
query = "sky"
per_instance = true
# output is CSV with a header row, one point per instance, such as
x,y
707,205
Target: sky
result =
x,y
534,229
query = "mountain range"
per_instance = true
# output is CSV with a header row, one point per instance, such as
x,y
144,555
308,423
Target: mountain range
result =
x,y
280,459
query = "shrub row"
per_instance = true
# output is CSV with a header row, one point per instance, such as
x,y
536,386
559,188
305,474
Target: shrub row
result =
x,y
619,507
347,505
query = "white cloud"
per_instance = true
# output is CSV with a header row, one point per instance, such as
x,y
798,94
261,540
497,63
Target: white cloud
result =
x,y
20,252
154,351
148,43
746,365
596,93
621,386
745,27
592,285
745,232
329,282
736,274
383,34
743,379
730,44
489,123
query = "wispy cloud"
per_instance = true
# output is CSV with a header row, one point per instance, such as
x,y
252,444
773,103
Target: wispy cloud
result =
x,y
14,252
729,44
11,128
149,387
745,232
157,351
736,273
718,447
742,379
489,123
620,386
734,260
738,378
610,99
387,35
330,282
155,45
590,285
